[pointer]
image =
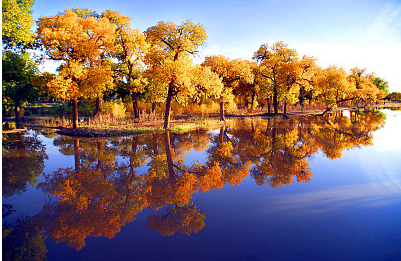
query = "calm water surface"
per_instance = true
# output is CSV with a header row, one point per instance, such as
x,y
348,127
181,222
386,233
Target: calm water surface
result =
x,y
300,189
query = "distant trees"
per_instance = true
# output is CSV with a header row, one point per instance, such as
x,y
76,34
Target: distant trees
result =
x,y
395,96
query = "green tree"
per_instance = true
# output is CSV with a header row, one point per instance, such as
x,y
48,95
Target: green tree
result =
x,y
18,71
382,84
17,23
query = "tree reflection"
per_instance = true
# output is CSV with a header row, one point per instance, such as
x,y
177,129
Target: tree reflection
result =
x,y
23,157
116,179
185,220
22,240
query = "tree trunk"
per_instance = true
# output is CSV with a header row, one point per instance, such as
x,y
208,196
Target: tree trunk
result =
x,y
327,110
17,115
168,106
76,155
98,106
222,118
253,100
154,108
269,110
275,102
135,105
74,114
285,109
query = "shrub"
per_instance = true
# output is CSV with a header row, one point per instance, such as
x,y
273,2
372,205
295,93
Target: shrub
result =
x,y
115,108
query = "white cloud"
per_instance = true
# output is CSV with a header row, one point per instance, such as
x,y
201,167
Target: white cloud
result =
x,y
383,59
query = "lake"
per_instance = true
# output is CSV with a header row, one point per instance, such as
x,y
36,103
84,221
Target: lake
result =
x,y
318,188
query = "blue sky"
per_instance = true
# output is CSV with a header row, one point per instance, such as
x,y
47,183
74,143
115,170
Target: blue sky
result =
x,y
364,33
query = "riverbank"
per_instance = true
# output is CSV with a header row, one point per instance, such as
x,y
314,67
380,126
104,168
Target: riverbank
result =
x,y
179,124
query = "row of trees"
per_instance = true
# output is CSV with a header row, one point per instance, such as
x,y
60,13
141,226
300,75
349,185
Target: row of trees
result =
x,y
107,188
99,53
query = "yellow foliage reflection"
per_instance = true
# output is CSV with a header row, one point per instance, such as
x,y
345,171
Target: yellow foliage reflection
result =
x,y
116,179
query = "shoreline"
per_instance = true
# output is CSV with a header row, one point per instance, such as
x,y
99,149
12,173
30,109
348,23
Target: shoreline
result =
x,y
186,123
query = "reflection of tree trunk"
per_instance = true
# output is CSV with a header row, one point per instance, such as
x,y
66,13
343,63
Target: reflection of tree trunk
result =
x,y
221,135
74,114
169,156
17,115
155,151
222,118
76,155
21,148
134,148
98,106
135,105
168,105
100,154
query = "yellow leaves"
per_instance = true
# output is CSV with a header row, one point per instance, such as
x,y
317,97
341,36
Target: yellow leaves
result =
x,y
79,42
187,37
204,84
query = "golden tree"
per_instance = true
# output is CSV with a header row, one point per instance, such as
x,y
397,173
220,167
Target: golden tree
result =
x,y
169,60
80,43
333,87
366,90
279,65
130,49
231,72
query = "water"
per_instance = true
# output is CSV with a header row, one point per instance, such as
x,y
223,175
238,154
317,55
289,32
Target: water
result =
x,y
300,189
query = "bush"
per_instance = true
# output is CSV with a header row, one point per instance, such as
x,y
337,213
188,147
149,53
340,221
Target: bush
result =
x,y
115,108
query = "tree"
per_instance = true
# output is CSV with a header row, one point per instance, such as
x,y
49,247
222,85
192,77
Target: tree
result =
x,y
168,57
308,70
278,65
231,73
366,90
130,49
80,43
17,23
17,74
186,220
382,84
395,96
333,87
